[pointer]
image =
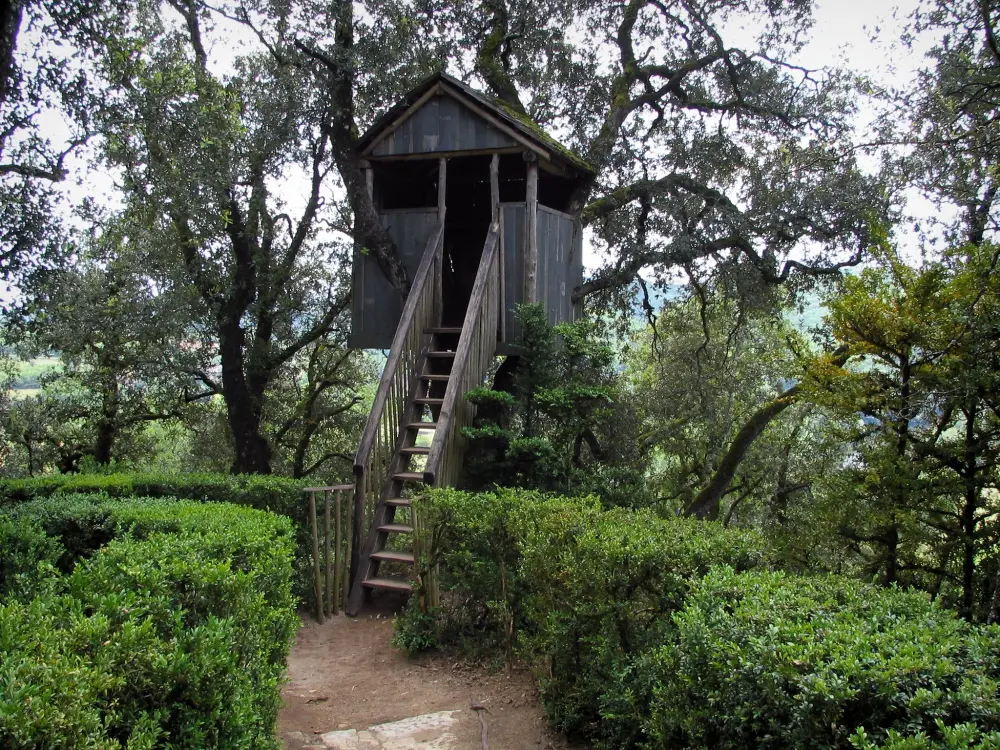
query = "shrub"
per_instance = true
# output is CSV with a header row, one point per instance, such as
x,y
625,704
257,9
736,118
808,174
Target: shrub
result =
x,y
602,594
768,660
478,541
670,632
578,590
27,556
173,634
277,494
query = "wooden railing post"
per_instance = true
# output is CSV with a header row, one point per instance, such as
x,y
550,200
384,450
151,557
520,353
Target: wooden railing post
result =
x,y
318,582
358,527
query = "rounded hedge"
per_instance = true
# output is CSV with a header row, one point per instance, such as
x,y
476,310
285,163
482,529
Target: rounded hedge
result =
x,y
143,623
764,659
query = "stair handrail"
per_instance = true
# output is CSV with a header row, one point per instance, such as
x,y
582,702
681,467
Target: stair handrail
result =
x,y
473,356
378,440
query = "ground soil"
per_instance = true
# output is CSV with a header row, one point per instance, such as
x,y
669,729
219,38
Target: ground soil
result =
x,y
345,674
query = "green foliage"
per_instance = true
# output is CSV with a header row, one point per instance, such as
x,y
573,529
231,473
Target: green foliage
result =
x,y
602,593
918,403
415,630
172,634
580,591
27,556
768,660
277,494
670,632
558,430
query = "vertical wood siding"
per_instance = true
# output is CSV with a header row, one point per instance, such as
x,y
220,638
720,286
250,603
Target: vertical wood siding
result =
x,y
442,124
377,306
556,245
513,249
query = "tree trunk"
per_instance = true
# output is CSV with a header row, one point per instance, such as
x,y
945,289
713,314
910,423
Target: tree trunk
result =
x,y
302,447
107,424
244,401
10,24
994,616
970,481
891,555
368,230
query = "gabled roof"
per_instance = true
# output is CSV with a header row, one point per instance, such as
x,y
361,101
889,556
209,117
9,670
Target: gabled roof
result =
x,y
515,125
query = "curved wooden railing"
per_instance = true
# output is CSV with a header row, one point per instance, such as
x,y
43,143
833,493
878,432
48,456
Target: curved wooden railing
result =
x,y
373,461
473,357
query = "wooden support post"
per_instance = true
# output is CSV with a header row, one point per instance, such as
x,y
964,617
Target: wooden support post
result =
x,y
439,270
495,188
442,186
369,173
357,530
497,219
327,559
316,565
338,560
345,574
531,233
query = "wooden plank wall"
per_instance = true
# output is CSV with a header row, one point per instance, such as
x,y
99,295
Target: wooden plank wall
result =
x,y
513,263
377,306
442,124
556,242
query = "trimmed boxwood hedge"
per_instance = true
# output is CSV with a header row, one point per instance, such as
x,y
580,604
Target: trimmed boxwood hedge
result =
x,y
277,494
650,632
764,659
143,623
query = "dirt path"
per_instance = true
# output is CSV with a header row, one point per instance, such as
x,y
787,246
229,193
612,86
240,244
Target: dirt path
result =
x,y
345,675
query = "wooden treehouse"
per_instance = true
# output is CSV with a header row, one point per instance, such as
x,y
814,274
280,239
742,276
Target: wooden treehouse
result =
x,y
474,198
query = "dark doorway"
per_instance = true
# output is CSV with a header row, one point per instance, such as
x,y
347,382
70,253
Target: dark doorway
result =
x,y
467,222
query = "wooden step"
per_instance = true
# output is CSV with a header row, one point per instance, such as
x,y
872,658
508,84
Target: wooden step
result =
x,y
436,377
389,584
391,555
415,450
443,329
399,502
441,355
422,426
409,476
395,528
429,401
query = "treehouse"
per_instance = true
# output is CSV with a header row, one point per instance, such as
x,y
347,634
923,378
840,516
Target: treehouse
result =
x,y
475,198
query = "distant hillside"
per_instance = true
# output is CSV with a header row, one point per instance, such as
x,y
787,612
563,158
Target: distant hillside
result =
x,y
808,315
30,373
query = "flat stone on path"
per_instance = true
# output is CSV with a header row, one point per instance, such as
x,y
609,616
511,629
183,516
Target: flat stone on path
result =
x,y
426,732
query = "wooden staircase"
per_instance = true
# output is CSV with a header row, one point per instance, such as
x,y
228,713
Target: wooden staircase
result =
x,y
387,559
413,437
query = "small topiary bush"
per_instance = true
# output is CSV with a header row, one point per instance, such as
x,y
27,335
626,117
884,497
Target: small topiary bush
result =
x,y
768,660
173,634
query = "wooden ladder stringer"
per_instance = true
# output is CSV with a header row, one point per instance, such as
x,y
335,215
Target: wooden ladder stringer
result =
x,y
368,566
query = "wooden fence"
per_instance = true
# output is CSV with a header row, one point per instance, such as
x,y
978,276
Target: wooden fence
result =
x,y
331,546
